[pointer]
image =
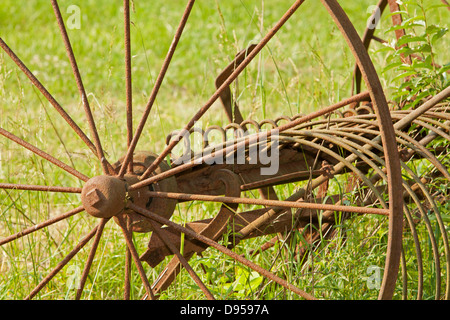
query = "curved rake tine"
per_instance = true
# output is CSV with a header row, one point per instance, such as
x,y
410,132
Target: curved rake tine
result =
x,y
223,87
63,262
13,186
48,96
41,225
222,249
88,265
135,256
156,87
62,28
44,155
160,233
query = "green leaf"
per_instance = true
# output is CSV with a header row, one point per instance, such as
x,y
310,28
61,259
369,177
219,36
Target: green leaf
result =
x,y
409,38
404,75
420,97
444,68
392,65
439,35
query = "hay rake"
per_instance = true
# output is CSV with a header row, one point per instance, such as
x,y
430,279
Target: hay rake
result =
x,y
371,150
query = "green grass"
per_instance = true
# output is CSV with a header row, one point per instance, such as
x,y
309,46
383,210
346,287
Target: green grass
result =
x,y
305,67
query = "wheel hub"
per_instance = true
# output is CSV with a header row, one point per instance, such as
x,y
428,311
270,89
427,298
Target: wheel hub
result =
x,y
104,196
107,196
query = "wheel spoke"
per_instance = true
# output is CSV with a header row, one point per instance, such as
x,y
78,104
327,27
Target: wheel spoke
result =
x,y
88,265
104,163
123,225
44,155
128,77
63,262
156,87
223,87
29,187
48,96
160,233
222,249
41,225
127,278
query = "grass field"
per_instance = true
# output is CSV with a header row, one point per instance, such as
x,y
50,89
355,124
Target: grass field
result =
x,y
305,67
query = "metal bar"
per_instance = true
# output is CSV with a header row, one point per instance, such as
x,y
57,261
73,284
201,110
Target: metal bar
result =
x,y
81,89
44,155
13,186
156,87
128,78
280,179
160,233
126,234
264,202
63,262
41,225
48,96
87,266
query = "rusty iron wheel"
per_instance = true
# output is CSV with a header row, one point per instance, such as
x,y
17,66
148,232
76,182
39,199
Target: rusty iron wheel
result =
x,y
140,191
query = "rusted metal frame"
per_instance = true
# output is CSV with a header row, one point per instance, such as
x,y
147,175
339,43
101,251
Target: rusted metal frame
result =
x,y
224,250
156,87
129,241
88,264
245,141
14,186
230,79
128,78
44,155
230,106
431,118
107,168
48,96
62,263
41,225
